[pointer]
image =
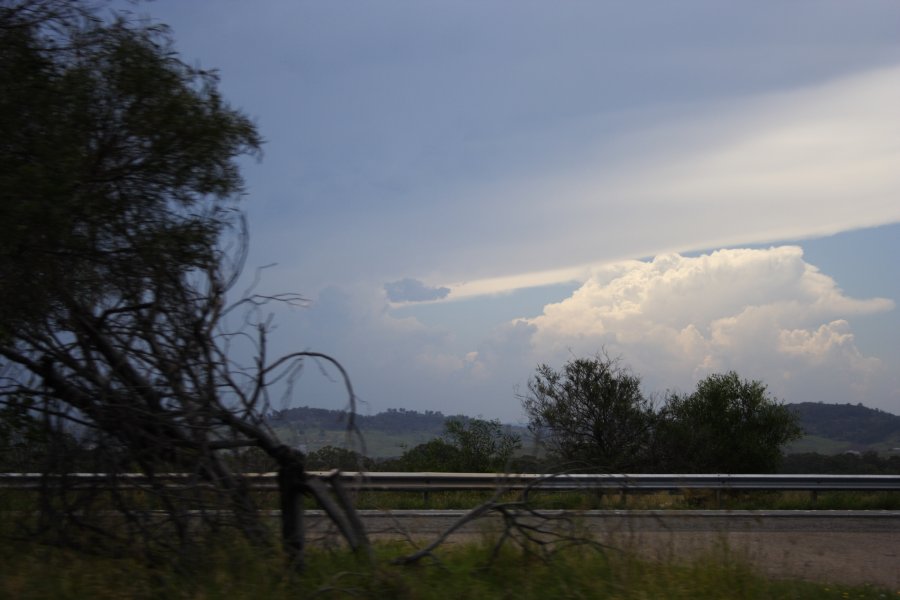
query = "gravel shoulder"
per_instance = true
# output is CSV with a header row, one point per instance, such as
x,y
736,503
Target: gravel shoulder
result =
x,y
851,547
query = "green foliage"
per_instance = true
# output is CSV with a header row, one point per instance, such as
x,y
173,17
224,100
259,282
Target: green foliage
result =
x,y
435,455
853,423
591,414
119,177
467,446
483,445
119,160
727,425
235,570
333,457
116,156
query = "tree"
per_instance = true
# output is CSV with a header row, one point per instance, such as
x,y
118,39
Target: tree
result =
x,y
591,414
727,425
327,458
121,242
483,445
118,161
467,446
435,455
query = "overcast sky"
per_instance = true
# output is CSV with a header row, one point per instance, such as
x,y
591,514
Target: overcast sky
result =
x,y
465,189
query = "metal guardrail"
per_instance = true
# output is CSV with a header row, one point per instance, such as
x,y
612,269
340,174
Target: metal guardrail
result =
x,y
428,482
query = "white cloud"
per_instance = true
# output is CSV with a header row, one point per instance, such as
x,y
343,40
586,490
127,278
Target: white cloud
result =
x,y
766,313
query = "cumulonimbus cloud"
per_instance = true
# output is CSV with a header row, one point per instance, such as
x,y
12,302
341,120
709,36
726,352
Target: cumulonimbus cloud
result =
x,y
766,313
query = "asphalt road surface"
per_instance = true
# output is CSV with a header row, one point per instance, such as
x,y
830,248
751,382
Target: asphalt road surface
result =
x,y
853,547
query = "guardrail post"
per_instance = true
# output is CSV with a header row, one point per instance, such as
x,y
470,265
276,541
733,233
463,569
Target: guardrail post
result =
x,y
290,486
813,497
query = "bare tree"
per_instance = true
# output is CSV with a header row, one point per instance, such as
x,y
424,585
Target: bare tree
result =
x,y
534,532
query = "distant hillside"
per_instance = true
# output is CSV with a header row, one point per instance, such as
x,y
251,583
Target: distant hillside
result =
x,y
846,426
394,420
847,422
387,434
830,428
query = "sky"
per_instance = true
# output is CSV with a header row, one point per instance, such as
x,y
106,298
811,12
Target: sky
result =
x,y
466,189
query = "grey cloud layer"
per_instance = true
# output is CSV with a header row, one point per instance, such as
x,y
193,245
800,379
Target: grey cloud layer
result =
x,y
494,141
413,290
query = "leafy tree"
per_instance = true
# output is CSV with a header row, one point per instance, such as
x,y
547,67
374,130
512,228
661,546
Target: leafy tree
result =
x,y
117,191
118,163
436,455
591,414
727,425
467,446
333,457
483,445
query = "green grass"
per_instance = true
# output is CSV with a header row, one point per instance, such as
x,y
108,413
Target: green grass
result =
x,y
12,500
236,571
814,443
829,447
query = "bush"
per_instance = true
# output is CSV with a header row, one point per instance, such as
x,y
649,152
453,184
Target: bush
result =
x,y
728,425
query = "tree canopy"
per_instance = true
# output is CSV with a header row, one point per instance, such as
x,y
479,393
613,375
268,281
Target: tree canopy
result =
x,y
591,414
727,425
119,163
466,446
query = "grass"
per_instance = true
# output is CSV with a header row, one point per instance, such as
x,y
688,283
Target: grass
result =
x,y
569,500
236,571
814,443
828,446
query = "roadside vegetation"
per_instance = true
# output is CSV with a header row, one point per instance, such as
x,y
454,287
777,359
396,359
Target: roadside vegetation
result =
x,y
235,570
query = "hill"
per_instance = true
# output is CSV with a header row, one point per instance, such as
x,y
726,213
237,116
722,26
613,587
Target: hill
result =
x,y
386,434
394,420
832,428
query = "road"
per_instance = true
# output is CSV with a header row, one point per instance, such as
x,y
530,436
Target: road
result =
x,y
853,547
